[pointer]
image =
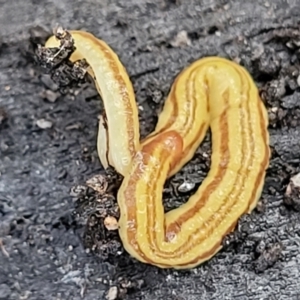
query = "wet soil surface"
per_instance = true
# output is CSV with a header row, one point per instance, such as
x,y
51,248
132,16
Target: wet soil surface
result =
x,y
53,244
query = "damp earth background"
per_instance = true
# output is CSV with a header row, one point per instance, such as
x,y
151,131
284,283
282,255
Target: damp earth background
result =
x,y
48,146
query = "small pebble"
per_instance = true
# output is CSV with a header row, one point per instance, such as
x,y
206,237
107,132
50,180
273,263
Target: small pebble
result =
x,y
112,293
181,40
48,82
186,187
98,183
44,124
49,95
111,223
295,182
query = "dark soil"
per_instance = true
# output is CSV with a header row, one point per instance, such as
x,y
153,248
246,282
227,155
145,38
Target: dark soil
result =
x,y
53,244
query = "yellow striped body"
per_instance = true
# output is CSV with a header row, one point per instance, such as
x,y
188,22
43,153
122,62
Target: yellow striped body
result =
x,y
211,93
115,88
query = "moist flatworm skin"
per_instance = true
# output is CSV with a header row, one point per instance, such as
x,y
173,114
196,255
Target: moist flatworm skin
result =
x,y
212,92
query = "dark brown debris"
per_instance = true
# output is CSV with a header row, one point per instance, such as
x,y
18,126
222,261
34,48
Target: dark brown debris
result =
x,y
95,203
268,257
56,62
292,194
